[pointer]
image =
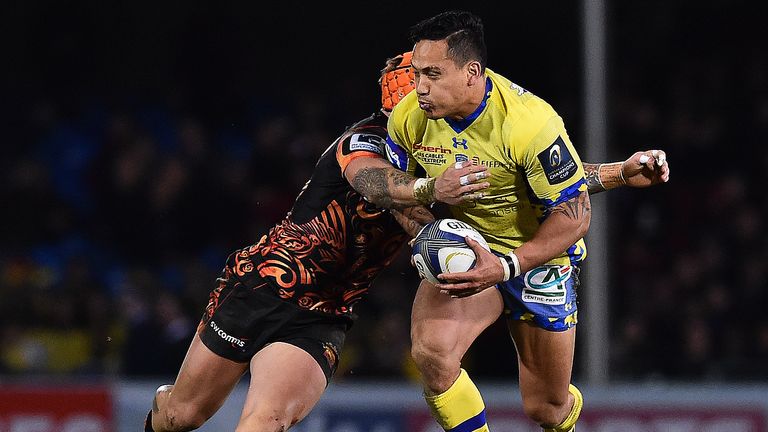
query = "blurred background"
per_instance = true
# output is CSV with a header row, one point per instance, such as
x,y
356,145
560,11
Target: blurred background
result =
x,y
142,142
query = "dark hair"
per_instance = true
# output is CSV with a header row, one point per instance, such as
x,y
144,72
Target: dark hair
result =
x,y
462,31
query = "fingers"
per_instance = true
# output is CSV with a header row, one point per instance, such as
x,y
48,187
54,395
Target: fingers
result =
x,y
473,192
474,245
473,177
660,165
655,160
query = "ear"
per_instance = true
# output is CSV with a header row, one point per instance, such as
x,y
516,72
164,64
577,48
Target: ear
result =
x,y
474,73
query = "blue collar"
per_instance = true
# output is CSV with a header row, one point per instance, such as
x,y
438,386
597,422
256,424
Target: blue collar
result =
x,y
459,125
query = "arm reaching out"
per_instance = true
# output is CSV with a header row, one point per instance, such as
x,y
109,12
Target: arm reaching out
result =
x,y
642,169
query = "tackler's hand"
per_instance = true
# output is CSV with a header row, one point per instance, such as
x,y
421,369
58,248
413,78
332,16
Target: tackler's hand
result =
x,y
486,273
646,168
461,182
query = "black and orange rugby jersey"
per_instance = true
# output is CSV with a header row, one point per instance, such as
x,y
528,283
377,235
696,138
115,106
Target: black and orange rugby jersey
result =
x,y
326,252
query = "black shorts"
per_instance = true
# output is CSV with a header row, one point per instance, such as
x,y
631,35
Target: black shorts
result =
x,y
241,319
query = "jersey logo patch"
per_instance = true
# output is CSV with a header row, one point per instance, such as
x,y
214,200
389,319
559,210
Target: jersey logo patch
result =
x,y
366,142
557,162
397,156
457,143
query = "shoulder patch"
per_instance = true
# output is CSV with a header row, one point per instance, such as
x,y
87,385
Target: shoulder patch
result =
x,y
366,142
557,162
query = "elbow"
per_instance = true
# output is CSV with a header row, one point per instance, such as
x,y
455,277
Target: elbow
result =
x,y
583,227
586,216
379,199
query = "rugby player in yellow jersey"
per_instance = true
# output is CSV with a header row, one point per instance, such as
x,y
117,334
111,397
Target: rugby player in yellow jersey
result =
x,y
292,350
534,213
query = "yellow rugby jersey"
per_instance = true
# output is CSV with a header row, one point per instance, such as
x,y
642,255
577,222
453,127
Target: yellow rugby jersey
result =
x,y
522,141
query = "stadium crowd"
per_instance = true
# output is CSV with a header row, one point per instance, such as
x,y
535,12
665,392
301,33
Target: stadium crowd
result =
x,y
117,217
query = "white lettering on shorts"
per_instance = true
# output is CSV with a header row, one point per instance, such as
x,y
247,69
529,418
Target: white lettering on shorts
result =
x,y
546,284
222,334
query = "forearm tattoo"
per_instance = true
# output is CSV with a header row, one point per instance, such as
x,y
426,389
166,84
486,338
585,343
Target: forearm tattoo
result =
x,y
592,175
575,208
373,184
413,219
400,178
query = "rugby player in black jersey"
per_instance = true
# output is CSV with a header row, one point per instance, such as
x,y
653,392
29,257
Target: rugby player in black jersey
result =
x,y
282,306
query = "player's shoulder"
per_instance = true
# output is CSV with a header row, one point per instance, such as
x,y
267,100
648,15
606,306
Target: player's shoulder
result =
x,y
525,113
367,135
517,98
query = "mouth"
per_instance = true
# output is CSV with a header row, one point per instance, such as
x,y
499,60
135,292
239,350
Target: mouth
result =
x,y
424,105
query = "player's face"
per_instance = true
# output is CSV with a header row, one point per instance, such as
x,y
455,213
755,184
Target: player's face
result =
x,y
441,85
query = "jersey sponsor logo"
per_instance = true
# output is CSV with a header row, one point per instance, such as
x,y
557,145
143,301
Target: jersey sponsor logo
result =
x,y
419,147
432,159
461,157
520,91
222,334
396,155
546,284
557,162
431,155
366,142
457,143
491,163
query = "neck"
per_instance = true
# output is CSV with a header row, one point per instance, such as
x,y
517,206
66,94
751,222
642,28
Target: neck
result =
x,y
475,95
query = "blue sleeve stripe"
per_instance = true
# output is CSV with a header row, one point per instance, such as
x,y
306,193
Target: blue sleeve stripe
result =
x,y
571,191
397,155
471,424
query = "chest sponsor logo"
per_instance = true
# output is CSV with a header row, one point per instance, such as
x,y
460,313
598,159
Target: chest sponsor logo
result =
x,y
546,284
431,155
557,162
492,163
366,142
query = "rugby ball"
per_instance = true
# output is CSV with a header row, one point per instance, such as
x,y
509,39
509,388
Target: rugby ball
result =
x,y
440,248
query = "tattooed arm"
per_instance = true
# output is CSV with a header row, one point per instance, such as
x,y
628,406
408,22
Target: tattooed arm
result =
x,y
387,187
413,219
642,169
382,184
566,224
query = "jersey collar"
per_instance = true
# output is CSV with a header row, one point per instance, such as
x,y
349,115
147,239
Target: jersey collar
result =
x,y
459,125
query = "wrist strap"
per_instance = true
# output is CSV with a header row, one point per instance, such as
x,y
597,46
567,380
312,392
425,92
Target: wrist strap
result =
x,y
513,263
505,266
424,190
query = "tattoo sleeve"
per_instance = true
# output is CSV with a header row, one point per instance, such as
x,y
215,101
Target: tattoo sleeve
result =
x,y
372,184
378,184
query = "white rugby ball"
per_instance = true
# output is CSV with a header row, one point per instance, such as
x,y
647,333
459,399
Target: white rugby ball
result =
x,y
440,248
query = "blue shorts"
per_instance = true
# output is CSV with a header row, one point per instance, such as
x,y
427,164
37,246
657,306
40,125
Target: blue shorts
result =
x,y
544,296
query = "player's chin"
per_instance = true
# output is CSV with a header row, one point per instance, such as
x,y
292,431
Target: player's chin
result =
x,y
432,114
